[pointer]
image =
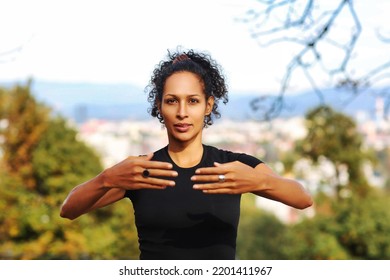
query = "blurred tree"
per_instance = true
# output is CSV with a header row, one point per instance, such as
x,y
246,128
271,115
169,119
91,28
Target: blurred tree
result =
x,y
363,226
383,166
322,37
41,159
334,136
59,160
313,239
260,234
24,120
349,225
354,228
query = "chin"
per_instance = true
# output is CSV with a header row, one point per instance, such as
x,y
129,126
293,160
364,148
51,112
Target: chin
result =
x,y
182,139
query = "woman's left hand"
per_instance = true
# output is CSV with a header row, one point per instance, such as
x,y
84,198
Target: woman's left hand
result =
x,y
228,178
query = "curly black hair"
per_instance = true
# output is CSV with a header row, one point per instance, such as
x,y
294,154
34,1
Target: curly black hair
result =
x,y
200,64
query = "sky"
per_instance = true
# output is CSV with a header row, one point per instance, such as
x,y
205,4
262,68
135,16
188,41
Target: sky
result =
x,y
118,41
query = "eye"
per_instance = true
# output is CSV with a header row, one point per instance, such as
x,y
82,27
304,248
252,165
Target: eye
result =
x,y
170,100
193,100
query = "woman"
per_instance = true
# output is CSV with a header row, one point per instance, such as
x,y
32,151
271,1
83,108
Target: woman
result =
x,y
186,196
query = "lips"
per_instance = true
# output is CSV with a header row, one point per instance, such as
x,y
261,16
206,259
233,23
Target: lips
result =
x,y
182,127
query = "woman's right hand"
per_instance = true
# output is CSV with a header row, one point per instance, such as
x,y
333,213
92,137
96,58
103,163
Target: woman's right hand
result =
x,y
128,174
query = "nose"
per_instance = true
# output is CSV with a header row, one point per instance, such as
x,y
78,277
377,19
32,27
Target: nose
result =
x,y
182,110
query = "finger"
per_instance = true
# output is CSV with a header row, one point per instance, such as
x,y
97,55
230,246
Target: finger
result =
x,y
158,176
162,179
209,170
218,168
149,186
211,186
159,169
221,191
158,182
156,165
205,178
216,188
162,173
146,162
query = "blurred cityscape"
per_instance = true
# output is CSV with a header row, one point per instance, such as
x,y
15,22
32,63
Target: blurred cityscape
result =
x,y
114,140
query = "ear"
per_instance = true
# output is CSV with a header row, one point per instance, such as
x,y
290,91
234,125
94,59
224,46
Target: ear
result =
x,y
209,105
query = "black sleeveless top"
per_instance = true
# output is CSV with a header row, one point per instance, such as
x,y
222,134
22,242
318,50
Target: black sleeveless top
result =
x,y
185,224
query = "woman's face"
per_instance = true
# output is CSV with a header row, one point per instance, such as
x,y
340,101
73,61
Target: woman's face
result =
x,y
184,107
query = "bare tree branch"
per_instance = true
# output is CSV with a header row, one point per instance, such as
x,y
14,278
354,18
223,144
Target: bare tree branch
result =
x,y
11,54
309,25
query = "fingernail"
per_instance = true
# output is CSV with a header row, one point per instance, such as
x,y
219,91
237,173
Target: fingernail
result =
x,y
172,183
196,187
193,178
197,171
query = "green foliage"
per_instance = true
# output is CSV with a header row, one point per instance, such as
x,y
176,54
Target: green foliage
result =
x,y
335,136
41,160
383,166
259,233
110,232
332,134
354,226
60,161
364,226
27,120
311,239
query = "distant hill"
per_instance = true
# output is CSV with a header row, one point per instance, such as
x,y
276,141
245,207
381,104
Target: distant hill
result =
x,y
299,104
80,101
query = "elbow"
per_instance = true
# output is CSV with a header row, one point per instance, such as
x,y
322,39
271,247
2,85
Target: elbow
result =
x,y
306,203
66,213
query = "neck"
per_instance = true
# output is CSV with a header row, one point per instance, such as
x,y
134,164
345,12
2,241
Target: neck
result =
x,y
186,154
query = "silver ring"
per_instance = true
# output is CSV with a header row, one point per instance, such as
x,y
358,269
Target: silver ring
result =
x,y
221,178
145,173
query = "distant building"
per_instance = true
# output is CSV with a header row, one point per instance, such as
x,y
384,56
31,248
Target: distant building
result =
x,y
81,113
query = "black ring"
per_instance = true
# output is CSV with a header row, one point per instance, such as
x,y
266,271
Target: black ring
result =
x,y
145,173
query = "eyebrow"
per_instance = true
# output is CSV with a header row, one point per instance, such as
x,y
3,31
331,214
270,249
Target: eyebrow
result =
x,y
174,95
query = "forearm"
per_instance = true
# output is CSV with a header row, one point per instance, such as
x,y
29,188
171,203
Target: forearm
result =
x,y
84,198
287,191
273,186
